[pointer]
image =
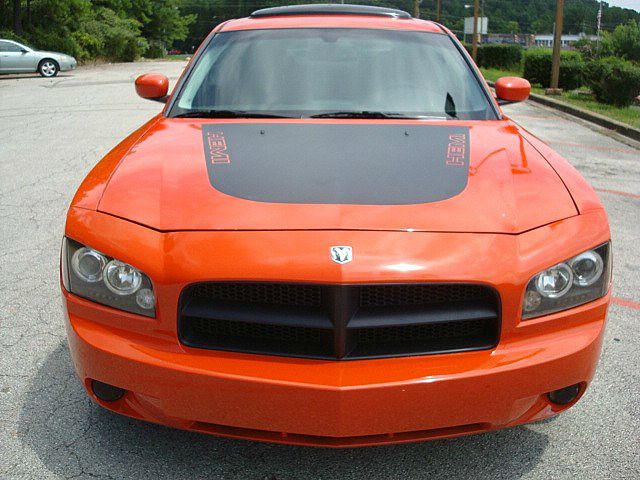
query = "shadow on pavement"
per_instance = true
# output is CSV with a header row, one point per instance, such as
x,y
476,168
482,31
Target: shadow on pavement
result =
x,y
74,437
26,76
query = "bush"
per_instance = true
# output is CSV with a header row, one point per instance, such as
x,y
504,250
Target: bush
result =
x,y
589,49
537,68
623,42
613,80
56,42
9,35
87,46
156,50
498,55
114,37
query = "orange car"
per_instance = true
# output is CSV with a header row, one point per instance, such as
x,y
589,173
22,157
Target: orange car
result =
x,y
333,236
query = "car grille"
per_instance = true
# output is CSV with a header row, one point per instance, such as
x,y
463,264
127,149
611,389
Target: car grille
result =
x,y
339,321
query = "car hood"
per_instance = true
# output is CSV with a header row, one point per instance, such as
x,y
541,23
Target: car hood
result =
x,y
51,54
453,176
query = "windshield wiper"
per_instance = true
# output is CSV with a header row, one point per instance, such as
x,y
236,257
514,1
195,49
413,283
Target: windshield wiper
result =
x,y
227,114
361,114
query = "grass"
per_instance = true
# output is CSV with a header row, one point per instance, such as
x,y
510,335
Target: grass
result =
x,y
629,115
181,57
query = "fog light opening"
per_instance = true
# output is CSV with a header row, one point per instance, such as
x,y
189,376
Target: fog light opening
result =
x,y
106,392
564,396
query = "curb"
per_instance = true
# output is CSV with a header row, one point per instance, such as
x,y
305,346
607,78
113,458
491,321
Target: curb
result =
x,y
621,128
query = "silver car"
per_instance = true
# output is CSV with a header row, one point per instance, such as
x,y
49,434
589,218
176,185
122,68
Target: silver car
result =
x,y
18,58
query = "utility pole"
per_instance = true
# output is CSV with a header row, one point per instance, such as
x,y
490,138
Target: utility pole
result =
x,y
599,26
438,11
474,41
416,8
557,44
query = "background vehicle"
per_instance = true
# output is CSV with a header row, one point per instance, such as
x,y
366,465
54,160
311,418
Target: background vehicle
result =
x,y
18,58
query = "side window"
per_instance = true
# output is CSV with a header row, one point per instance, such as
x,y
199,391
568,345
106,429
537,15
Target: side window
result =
x,y
9,47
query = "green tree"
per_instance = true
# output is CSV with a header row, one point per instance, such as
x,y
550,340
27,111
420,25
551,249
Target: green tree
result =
x,y
162,24
17,16
112,36
117,29
513,27
166,23
161,21
624,41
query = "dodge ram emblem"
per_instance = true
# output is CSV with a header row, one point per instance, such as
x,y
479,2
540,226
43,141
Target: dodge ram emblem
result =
x,y
341,254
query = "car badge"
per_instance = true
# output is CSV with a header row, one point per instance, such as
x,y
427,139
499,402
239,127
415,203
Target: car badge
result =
x,y
341,254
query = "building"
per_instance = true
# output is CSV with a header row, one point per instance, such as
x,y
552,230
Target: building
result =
x,y
546,39
524,39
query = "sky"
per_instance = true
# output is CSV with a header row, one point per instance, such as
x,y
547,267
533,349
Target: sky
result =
x,y
635,4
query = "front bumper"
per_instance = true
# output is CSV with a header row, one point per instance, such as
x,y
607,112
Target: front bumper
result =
x,y
336,404
66,65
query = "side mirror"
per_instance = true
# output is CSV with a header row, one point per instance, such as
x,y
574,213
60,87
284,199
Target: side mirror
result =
x,y
153,86
512,89
24,50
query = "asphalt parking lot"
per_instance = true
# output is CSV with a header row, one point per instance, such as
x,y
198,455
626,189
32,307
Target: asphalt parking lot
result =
x,y
52,131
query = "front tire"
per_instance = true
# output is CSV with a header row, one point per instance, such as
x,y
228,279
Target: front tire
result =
x,y
48,68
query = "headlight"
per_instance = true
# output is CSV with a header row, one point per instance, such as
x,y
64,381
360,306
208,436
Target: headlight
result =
x,y
578,280
122,279
95,276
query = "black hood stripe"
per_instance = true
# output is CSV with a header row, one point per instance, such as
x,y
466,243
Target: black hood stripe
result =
x,y
336,163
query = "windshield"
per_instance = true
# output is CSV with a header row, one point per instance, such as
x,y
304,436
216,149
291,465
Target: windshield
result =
x,y
332,72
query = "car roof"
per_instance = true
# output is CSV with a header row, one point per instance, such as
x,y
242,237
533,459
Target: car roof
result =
x,y
331,9
331,16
